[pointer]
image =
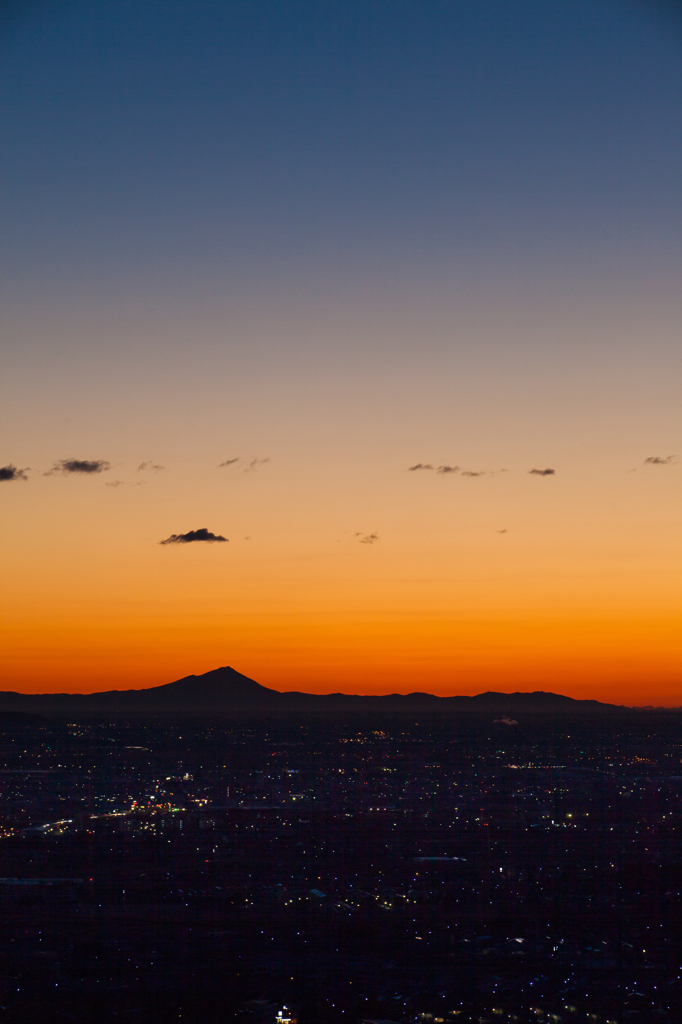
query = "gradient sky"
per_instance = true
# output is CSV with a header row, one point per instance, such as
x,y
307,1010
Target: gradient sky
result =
x,y
331,241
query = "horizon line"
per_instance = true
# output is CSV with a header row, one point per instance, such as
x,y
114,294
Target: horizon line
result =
x,y
339,693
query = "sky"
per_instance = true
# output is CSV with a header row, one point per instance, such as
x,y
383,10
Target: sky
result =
x,y
341,344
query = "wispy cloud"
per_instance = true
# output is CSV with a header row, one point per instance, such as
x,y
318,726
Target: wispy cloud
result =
x,y
11,472
658,460
152,467
369,538
83,466
248,466
194,535
506,720
542,472
445,469
254,464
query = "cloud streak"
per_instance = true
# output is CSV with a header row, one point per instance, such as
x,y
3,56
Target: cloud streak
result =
x,y
150,466
445,469
254,464
192,536
370,538
250,466
11,472
542,472
658,460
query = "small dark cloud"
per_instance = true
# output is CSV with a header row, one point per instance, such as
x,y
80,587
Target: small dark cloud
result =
x,y
228,462
11,472
87,466
150,466
194,535
542,472
503,531
370,538
658,460
469,472
419,465
448,469
115,483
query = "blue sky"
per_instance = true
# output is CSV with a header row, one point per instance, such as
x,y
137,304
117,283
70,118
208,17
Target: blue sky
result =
x,y
182,140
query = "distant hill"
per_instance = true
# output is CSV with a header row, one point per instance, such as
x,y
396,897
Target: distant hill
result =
x,y
225,691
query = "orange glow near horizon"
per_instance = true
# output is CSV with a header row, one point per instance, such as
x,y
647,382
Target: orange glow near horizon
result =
x,y
597,660
458,609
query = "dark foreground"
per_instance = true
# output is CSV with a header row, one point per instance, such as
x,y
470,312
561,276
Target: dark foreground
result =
x,y
411,869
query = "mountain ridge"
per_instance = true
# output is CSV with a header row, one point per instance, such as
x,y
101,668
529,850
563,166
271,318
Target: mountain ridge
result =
x,y
224,690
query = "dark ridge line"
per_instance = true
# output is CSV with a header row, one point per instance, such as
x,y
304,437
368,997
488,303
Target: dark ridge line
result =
x,y
225,690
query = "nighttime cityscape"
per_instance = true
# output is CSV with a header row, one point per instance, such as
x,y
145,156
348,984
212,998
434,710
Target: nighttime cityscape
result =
x,y
407,867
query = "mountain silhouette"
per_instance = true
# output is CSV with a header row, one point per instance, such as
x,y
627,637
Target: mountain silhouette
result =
x,y
216,688
226,691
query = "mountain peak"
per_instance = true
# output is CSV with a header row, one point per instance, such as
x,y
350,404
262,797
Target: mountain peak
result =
x,y
220,684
